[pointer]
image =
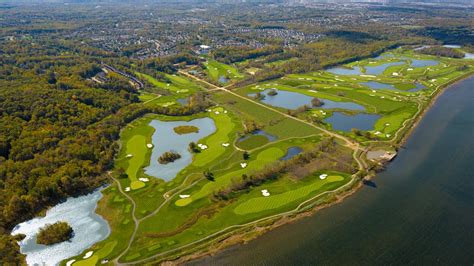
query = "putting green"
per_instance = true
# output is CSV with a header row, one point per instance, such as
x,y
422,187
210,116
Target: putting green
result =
x,y
272,202
136,146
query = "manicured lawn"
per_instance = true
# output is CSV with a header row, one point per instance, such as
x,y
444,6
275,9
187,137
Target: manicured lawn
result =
x,y
216,70
262,203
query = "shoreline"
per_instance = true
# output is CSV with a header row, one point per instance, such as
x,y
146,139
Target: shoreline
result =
x,y
245,237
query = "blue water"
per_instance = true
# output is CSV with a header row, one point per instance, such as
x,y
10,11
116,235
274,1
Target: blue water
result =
x,y
293,100
89,228
377,70
291,152
420,212
343,122
379,86
418,87
345,71
183,101
165,139
222,79
261,133
383,86
423,63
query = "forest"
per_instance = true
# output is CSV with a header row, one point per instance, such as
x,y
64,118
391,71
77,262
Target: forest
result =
x,y
59,129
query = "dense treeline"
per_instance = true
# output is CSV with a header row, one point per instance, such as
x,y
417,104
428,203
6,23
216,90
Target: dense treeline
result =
x,y
58,129
54,233
232,54
441,51
320,55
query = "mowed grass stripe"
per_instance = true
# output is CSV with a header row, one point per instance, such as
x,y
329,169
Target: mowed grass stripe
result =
x,y
263,158
224,127
136,146
272,202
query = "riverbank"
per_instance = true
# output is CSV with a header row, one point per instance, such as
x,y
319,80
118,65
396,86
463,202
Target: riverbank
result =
x,y
256,231
418,212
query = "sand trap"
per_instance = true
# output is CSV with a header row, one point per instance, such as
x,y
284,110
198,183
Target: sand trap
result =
x,y
225,144
225,111
127,189
144,179
184,196
243,165
69,263
378,133
216,112
265,193
323,176
129,155
88,254
149,145
388,135
202,146
374,91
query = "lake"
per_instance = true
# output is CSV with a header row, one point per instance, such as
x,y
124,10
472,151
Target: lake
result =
x,y
259,132
89,228
344,122
384,86
165,139
291,152
420,211
293,100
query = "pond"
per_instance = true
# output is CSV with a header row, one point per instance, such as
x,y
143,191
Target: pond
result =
x,y
291,152
344,122
89,228
379,86
418,87
345,71
183,101
223,79
165,139
377,70
260,133
383,86
423,63
293,100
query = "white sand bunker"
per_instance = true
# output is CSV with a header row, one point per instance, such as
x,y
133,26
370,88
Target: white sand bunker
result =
x,y
144,179
127,189
184,196
129,155
69,263
216,112
243,165
323,176
225,144
202,146
88,254
265,193
149,145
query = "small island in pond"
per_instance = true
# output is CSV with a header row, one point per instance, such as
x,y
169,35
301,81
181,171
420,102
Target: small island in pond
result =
x,y
181,130
169,157
54,233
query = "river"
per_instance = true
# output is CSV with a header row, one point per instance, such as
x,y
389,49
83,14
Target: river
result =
x,y
419,211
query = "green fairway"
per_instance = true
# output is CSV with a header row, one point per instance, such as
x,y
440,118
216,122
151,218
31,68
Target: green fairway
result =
x,y
224,127
272,202
209,196
136,147
219,72
266,156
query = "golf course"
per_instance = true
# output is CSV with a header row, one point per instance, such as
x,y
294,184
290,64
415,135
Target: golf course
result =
x,y
259,154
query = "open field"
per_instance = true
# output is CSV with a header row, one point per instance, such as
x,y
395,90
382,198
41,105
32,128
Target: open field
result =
x,y
201,204
221,73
